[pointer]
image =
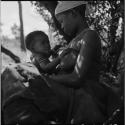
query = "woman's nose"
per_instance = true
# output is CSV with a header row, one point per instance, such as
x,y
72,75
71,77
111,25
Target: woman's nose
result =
x,y
62,26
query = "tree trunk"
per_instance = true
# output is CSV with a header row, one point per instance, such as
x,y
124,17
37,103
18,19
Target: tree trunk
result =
x,y
21,27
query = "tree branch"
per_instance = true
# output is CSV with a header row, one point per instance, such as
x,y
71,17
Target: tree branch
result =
x,y
10,54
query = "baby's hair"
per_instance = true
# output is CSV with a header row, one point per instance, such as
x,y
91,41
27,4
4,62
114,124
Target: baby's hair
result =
x,y
30,37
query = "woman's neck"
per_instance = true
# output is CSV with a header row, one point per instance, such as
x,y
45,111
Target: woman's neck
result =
x,y
41,55
82,25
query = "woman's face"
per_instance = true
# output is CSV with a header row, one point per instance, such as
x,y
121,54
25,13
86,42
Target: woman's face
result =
x,y
68,23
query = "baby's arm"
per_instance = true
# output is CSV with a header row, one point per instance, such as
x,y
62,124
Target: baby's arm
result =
x,y
51,66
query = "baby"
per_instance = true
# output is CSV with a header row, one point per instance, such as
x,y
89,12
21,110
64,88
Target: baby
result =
x,y
38,43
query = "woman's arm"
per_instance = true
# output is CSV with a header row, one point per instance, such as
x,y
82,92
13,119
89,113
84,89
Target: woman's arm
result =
x,y
83,63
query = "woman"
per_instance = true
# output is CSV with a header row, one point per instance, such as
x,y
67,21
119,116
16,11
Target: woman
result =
x,y
78,92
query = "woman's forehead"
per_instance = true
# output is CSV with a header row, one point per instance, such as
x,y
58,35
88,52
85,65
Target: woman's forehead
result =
x,y
61,16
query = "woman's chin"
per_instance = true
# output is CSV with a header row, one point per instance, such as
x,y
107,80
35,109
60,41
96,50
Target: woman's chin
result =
x,y
67,33
70,34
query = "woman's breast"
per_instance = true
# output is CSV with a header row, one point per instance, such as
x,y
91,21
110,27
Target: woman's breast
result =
x,y
68,62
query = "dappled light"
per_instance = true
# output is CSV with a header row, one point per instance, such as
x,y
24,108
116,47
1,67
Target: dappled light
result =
x,y
79,62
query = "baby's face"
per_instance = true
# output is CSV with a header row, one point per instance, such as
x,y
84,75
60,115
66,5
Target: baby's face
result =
x,y
41,45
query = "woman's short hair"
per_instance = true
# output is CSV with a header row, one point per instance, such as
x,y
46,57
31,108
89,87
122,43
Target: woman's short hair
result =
x,y
81,10
30,38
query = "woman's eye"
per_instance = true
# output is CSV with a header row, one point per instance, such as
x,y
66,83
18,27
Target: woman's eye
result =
x,y
43,42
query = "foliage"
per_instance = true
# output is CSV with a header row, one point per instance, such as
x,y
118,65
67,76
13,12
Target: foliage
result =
x,y
16,31
107,19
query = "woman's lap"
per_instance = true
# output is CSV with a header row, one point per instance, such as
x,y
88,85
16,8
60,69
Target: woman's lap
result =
x,y
86,109
48,98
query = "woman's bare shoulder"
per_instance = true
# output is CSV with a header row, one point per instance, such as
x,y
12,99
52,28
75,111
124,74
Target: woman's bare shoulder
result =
x,y
91,38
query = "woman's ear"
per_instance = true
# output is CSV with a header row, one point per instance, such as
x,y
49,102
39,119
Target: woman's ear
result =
x,y
74,13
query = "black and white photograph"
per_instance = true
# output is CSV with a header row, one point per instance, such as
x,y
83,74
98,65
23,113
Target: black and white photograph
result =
x,y
62,62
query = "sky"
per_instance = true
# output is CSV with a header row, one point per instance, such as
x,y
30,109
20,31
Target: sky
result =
x,y
31,18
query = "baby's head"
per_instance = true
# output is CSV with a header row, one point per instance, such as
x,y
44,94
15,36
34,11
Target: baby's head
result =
x,y
38,42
